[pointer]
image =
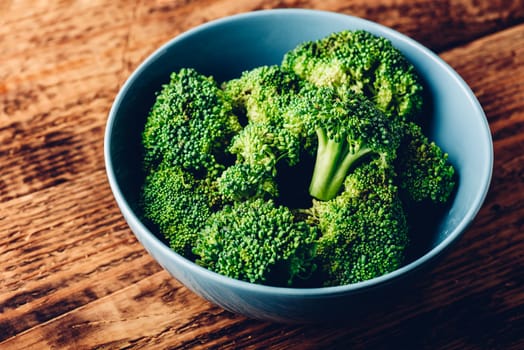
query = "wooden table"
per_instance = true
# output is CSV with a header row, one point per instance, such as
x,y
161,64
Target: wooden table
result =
x,y
72,274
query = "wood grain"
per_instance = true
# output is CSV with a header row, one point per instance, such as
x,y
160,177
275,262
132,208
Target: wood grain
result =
x,y
72,275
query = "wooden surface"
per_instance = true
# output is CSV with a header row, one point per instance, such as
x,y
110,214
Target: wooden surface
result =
x,y
72,274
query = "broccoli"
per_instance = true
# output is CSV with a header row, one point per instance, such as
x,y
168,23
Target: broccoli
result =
x,y
184,139
364,230
261,93
364,63
350,129
243,181
424,172
178,204
300,174
263,96
190,125
257,241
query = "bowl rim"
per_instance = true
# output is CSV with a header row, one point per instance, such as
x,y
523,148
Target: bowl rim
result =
x,y
418,263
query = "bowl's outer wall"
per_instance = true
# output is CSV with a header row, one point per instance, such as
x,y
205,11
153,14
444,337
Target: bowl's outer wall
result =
x,y
224,49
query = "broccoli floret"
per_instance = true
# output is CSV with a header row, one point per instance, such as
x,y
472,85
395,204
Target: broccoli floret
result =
x,y
364,231
243,181
178,204
266,144
257,241
190,125
424,172
258,148
265,94
349,129
262,93
364,63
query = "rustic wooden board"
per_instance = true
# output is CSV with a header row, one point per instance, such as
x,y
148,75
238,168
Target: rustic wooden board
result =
x,y
72,274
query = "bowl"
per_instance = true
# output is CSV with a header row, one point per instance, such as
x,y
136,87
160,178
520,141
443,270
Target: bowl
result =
x,y
226,47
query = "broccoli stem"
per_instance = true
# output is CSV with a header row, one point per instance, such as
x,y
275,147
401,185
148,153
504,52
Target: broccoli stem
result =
x,y
333,161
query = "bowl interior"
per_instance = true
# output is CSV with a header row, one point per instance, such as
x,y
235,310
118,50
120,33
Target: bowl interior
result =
x,y
226,47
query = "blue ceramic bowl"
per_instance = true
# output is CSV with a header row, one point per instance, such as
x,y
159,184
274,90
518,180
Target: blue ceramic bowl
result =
x,y
226,47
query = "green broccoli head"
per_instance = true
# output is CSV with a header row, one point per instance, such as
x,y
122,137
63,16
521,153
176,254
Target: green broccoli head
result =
x,y
364,231
349,129
265,144
262,93
190,125
259,149
364,63
242,181
257,241
424,172
178,204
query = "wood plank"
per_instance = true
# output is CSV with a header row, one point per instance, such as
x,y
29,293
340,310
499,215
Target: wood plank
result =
x,y
56,88
64,251
139,315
